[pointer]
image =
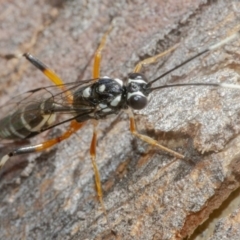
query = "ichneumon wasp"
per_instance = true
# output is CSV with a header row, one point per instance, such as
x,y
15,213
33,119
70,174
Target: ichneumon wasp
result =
x,y
41,109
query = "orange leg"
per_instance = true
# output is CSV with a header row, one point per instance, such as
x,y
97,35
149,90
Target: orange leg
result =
x,y
74,126
97,56
153,59
42,67
95,168
149,140
133,128
53,77
96,75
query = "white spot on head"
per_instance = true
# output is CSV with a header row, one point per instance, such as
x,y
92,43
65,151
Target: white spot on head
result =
x,y
116,101
135,93
136,81
101,88
87,92
119,81
105,77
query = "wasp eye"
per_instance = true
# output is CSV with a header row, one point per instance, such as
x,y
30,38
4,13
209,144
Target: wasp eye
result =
x,y
137,101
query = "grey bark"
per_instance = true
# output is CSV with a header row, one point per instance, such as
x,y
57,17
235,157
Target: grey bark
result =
x,y
148,194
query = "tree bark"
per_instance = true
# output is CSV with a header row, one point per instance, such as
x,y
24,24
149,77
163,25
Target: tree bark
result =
x,y
148,193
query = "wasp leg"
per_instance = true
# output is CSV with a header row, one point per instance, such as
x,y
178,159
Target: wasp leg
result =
x,y
49,73
153,59
96,75
42,67
97,56
149,140
95,168
74,126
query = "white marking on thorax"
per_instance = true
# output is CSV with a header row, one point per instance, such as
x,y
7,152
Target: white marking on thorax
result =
x,y
107,110
119,81
101,88
116,101
91,114
102,105
87,92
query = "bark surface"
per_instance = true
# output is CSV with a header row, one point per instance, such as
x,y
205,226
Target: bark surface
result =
x,y
148,194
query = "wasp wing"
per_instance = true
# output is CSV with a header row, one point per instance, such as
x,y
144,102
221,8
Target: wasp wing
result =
x,y
34,105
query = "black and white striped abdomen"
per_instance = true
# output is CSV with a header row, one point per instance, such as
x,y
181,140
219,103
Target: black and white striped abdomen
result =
x,y
27,121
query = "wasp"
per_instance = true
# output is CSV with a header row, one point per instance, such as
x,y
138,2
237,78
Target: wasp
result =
x,y
95,99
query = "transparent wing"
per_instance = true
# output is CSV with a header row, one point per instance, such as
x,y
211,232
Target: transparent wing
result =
x,y
60,95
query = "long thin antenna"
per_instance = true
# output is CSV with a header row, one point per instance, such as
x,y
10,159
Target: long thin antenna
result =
x,y
213,47
224,85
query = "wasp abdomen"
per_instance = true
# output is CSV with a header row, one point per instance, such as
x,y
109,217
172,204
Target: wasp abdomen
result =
x,y
27,121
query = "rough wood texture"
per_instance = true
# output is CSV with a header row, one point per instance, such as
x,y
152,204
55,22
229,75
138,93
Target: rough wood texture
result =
x,y
148,194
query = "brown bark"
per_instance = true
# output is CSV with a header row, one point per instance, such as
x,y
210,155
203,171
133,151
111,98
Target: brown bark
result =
x,y
148,194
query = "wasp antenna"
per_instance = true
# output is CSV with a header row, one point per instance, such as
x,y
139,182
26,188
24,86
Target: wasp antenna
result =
x,y
226,85
212,47
223,85
224,41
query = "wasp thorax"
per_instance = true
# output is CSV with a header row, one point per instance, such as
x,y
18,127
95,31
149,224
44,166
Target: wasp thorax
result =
x,y
136,91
